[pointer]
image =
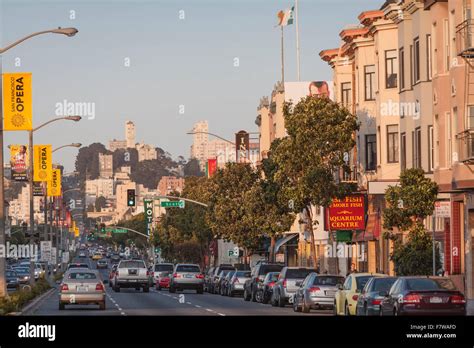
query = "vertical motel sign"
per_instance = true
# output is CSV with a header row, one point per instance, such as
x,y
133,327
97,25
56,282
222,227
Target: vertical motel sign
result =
x,y
242,144
148,204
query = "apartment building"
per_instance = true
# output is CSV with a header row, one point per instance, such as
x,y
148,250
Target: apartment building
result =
x,y
168,184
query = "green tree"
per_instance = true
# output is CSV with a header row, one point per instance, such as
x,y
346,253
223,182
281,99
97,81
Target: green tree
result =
x,y
320,133
191,168
408,204
87,160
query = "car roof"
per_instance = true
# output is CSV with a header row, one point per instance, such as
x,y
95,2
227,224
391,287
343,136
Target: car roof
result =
x,y
368,274
187,264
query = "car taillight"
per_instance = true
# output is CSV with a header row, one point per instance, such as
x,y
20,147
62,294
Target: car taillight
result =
x,y
99,287
200,276
257,279
64,287
458,299
176,275
314,289
271,284
376,302
412,298
355,297
284,283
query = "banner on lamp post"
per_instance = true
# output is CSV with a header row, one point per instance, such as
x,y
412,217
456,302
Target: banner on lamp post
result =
x,y
211,167
17,102
54,186
19,159
42,163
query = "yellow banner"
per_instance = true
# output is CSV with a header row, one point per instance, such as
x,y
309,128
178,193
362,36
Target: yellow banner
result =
x,y
42,163
54,186
76,232
17,102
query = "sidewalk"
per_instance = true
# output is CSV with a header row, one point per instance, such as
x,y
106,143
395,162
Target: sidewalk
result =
x,y
470,307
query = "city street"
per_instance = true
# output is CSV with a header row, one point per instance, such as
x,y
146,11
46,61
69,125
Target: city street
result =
x,y
132,302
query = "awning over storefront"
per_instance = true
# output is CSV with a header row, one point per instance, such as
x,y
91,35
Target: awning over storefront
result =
x,y
372,229
282,241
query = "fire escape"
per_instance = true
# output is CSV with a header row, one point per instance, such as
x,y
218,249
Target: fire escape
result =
x,y
465,49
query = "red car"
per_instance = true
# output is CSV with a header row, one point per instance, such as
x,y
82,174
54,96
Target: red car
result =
x,y
163,281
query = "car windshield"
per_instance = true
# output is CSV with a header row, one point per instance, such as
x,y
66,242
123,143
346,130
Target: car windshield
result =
x,y
163,268
11,274
188,268
82,275
272,277
270,268
245,274
383,284
78,265
430,284
132,264
298,273
328,280
361,281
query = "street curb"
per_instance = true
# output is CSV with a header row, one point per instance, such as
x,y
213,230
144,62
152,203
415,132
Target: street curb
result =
x,y
35,302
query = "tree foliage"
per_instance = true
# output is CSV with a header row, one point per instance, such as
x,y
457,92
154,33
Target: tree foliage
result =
x,y
87,160
191,168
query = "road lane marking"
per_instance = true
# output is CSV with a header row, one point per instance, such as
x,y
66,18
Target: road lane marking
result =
x,y
188,302
122,313
209,310
221,314
197,306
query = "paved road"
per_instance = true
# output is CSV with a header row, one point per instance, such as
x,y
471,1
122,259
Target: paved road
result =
x,y
132,302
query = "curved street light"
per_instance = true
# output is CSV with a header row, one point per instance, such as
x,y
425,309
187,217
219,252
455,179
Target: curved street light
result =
x,y
214,135
68,145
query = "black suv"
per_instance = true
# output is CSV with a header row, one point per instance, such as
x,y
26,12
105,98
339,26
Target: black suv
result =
x,y
256,279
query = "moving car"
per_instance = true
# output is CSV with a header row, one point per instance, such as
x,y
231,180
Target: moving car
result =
x,y
81,286
237,282
265,288
160,269
131,274
97,256
102,263
82,254
257,275
115,258
372,295
423,296
77,265
163,281
12,279
285,287
187,276
23,274
345,299
316,291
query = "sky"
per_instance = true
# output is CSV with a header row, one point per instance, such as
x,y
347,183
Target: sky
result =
x,y
164,64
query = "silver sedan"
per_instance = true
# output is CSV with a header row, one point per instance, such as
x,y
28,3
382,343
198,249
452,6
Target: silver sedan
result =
x,y
81,286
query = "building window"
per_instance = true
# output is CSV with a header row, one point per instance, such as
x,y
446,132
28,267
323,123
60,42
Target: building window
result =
x,y
391,69
392,143
402,69
403,151
449,148
411,66
429,59
416,60
431,149
454,135
470,117
369,81
370,152
346,97
447,49
416,136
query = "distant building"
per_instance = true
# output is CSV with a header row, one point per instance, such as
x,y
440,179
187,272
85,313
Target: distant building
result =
x,y
117,145
19,208
121,194
169,184
130,134
106,166
199,149
100,187
146,152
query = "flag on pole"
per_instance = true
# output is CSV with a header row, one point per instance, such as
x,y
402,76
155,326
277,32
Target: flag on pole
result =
x,y
285,17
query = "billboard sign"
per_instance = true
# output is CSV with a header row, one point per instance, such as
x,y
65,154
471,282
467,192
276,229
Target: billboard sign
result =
x,y
347,214
19,162
294,91
242,146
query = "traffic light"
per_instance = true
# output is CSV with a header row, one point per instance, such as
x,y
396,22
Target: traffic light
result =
x,y
130,198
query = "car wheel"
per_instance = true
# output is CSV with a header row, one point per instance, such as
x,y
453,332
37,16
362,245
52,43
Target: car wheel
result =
x,y
253,296
61,306
334,309
200,291
273,301
246,295
380,312
395,312
296,308
281,302
366,310
346,310
304,307
117,288
258,296
231,294
146,289
172,289
102,306
265,298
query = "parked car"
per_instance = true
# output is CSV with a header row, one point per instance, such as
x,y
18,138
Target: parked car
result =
x,y
81,286
265,288
163,281
187,276
215,276
345,299
236,284
12,279
219,279
225,283
316,291
131,274
285,287
258,274
372,295
102,263
208,278
112,272
423,296
159,269
23,274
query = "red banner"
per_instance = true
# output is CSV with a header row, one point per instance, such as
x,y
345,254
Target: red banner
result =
x,y
211,167
347,214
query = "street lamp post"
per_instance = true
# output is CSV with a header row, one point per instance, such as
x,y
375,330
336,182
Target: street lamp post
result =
x,y
64,31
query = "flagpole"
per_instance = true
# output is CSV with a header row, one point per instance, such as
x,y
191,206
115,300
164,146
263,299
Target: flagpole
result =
x,y
297,42
282,58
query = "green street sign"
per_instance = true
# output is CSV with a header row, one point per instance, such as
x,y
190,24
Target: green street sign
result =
x,y
116,230
172,204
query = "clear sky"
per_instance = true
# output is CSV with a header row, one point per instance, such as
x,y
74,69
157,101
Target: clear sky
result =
x,y
173,62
